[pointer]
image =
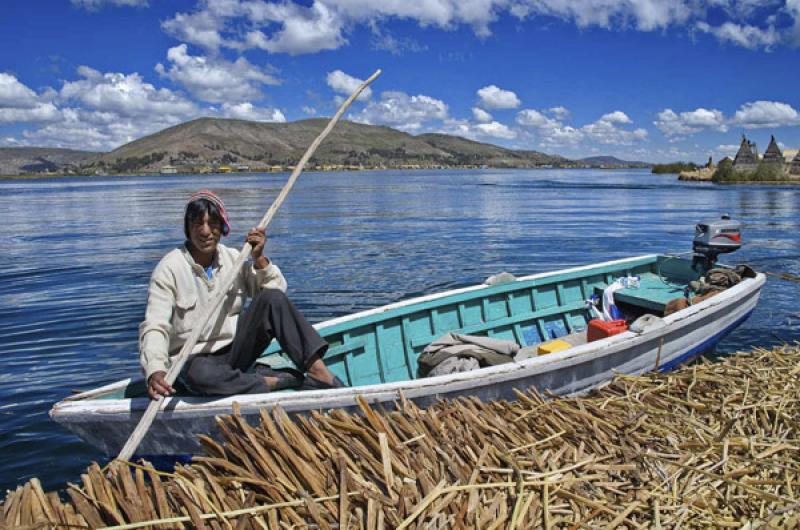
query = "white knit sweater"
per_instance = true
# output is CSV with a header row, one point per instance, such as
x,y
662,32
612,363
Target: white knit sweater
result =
x,y
180,291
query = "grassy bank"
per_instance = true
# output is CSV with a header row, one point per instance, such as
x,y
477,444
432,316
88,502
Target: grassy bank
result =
x,y
674,167
764,173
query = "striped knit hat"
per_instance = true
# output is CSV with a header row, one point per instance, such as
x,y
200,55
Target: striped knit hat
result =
x,y
212,197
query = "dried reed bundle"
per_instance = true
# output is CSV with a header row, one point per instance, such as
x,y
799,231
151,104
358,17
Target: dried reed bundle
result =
x,y
711,445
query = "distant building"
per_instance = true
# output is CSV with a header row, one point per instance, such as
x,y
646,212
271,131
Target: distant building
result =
x,y
168,170
773,154
224,169
240,167
747,156
795,169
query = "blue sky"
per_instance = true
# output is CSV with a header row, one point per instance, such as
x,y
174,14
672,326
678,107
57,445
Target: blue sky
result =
x,y
641,79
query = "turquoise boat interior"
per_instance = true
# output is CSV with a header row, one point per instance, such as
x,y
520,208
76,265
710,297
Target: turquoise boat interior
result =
x,y
383,347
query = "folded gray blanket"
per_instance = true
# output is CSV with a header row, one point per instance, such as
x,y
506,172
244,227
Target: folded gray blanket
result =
x,y
485,350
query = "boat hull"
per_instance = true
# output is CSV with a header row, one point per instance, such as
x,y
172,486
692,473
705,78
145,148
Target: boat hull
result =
x,y
686,334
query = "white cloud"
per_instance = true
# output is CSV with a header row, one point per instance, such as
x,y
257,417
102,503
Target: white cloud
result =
x,y
382,40
246,111
283,27
94,5
303,29
477,131
309,110
615,117
446,14
560,113
493,97
125,95
726,150
20,104
85,131
644,15
552,132
481,115
101,111
703,118
202,28
563,135
673,124
215,79
455,127
15,94
745,35
39,113
345,84
79,128
534,118
793,8
293,28
398,109
296,29
743,9
496,130
751,115
605,131
765,114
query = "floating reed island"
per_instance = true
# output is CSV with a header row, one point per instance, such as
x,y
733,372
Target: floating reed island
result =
x,y
711,445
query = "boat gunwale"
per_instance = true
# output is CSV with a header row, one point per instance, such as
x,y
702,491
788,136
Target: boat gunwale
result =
x,y
500,288
311,400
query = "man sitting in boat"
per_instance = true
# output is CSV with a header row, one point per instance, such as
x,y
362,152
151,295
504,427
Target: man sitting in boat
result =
x,y
182,285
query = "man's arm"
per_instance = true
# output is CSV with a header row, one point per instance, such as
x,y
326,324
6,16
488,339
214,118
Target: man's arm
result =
x,y
154,335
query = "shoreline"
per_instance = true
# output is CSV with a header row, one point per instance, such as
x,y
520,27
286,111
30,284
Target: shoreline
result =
x,y
706,176
37,176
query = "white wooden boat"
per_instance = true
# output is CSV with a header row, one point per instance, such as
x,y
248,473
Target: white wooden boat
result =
x,y
375,351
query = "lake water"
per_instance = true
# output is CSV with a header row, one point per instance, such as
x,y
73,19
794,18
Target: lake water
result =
x,y
77,255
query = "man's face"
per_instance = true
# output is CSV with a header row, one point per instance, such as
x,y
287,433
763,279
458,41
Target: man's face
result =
x,y
205,233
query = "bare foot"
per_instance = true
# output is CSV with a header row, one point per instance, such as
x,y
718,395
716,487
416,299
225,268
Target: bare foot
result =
x,y
320,372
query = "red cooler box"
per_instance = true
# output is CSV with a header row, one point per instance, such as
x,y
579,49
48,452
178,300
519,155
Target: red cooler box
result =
x,y
600,329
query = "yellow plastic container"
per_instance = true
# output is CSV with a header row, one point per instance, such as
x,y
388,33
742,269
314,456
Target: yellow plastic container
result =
x,y
553,346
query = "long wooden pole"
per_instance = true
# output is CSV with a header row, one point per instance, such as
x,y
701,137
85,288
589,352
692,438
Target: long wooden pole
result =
x,y
784,276
152,409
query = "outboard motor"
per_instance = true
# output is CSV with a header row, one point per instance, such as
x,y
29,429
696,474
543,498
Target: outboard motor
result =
x,y
712,238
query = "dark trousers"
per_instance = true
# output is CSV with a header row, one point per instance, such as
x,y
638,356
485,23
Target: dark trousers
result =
x,y
270,315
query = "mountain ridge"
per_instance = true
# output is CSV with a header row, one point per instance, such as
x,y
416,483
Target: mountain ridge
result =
x,y
605,160
214,144
27,160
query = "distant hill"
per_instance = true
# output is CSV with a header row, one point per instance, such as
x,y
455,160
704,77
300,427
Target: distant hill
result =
x,y
612,161
210,144
26,160
213,141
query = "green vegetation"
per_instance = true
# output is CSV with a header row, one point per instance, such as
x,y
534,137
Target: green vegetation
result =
x,y
674,167
763,173
724,171
133,163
